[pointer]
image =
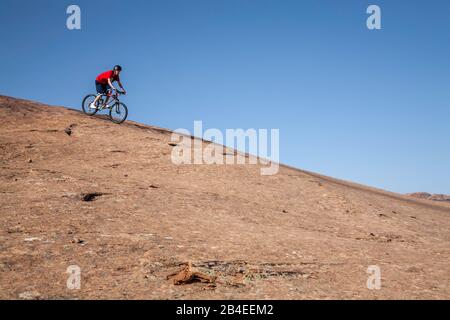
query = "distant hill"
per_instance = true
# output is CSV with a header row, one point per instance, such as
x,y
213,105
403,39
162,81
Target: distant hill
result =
x,y
428,196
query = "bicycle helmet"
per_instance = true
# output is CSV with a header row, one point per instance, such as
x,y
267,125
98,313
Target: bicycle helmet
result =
x,y
117,67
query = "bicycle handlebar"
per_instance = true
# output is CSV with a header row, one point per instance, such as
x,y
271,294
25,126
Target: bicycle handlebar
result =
x,y
117,91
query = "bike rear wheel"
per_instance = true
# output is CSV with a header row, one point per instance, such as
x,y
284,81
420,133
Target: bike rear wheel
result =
x,y
118,113
86,105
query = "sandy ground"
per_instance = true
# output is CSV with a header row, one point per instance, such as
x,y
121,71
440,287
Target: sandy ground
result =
x,y
294,235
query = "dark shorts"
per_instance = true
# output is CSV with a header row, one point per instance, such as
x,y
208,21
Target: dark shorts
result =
x,y
101,88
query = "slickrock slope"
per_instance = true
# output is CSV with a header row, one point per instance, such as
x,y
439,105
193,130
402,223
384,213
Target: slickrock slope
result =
x,y
108,199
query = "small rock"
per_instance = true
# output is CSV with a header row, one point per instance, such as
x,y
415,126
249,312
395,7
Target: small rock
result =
x,y
68,131
88,197
78,241
16,229
414,269
32,239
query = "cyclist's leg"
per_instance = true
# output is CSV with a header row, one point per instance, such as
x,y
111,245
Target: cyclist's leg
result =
x,y
100,91
94,103
108,90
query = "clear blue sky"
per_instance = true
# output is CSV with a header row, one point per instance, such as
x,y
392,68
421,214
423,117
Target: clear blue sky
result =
x,y
367,106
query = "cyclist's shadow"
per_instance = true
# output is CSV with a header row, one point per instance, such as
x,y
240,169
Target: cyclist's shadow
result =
x,y
101,116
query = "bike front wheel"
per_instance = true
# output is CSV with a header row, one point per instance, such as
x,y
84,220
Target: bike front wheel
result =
x,y
118,113
87,101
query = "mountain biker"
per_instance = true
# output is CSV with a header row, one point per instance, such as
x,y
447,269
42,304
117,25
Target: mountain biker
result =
x,y
104,81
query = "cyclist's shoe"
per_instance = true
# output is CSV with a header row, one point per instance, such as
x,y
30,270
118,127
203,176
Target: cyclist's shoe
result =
x,y
92,106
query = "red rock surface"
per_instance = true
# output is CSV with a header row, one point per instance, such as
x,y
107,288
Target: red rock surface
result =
x,y
108,198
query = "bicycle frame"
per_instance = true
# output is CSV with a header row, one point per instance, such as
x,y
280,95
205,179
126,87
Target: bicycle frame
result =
x,y
110,95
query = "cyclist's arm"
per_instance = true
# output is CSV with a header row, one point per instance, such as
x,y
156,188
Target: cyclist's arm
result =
x,y
121,87
111,85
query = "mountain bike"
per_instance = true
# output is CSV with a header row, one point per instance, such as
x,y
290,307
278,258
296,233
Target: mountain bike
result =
x,y
118,111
